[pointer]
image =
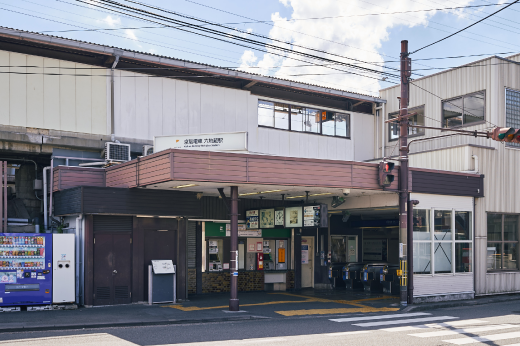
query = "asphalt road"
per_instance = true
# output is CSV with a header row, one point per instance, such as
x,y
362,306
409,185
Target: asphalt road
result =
x,y
492,324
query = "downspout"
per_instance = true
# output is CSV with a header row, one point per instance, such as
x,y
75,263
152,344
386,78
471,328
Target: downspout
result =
x,y
51,189
383,131
79,260
45,189
112,111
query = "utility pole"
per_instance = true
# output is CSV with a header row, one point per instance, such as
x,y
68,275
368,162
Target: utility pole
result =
x,y
233,301
405,232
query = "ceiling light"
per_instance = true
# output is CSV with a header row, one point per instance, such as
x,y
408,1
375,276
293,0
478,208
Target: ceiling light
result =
x,y
271,191
321,194
294,197
249,193
182,186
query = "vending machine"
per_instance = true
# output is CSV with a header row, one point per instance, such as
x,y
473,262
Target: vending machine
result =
x,y
25,269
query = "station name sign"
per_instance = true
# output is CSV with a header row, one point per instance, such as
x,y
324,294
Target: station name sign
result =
x,y
234,141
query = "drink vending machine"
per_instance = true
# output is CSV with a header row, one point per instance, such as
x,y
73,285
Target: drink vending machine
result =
x,y
25,269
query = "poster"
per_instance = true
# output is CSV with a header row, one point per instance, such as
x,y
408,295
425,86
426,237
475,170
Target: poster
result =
x,y
250,233
293,217
266,218
8,277
305,254
278,217
252,219
311,216
281,255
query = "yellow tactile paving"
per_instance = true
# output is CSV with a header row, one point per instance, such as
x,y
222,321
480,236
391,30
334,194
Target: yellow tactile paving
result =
x,y
306,299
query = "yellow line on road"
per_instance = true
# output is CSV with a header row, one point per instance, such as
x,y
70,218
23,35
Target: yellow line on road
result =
x,y
195,308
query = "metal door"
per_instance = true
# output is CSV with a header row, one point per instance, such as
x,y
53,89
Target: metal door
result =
x,y
158,245
112,268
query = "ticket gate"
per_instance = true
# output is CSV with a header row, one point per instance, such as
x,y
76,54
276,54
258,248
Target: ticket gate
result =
x,y
336,274
352,276
371,277
390,279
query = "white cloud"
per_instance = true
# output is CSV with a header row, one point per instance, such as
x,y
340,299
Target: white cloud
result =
x,y
131,35
112,22
356,37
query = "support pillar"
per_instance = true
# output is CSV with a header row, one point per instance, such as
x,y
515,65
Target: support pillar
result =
x,y
233,301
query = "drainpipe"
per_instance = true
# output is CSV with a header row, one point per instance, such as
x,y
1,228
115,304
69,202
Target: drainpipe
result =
x,y
50,195
79,260
383,130
45,189
112,112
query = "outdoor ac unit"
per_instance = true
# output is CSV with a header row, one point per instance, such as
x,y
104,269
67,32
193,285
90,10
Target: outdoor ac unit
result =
x,y
147,150
117,152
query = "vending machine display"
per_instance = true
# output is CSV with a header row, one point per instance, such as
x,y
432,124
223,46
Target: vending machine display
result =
x,y
25,269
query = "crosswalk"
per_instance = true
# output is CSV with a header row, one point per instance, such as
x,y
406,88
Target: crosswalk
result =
x,y
449,328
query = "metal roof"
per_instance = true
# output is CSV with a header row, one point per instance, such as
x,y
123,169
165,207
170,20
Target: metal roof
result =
x,y
77,45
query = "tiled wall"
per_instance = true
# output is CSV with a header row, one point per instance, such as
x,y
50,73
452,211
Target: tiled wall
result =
x,y
192,281
219,282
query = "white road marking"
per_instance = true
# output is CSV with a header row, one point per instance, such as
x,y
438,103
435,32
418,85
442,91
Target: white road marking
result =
x,y
347,333
379,317
493,337
463,331
434,325
411,320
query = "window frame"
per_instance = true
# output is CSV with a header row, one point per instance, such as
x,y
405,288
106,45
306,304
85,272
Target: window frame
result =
x,y
410,110
320,126
483,121
432,241
502,242
508,144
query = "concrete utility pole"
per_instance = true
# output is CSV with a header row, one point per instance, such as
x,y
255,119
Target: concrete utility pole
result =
x,y
405,230
233,301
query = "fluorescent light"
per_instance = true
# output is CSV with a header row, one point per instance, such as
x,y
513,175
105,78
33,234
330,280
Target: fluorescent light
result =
x,y
250,193
321,194
294,197
182,186
271,191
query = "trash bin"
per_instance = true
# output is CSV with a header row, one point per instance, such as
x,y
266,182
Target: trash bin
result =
x,y
352,276
371,277
390,279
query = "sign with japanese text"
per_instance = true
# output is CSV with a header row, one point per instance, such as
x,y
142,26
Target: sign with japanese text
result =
x,y
236,141
252,219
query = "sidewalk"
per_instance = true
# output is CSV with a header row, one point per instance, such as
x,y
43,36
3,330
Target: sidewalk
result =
x,y
203,308
214,308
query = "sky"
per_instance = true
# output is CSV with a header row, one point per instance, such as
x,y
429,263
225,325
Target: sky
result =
x,y
312,41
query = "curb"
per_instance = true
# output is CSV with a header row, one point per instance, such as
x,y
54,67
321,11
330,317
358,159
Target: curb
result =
x,y
455,303
126,324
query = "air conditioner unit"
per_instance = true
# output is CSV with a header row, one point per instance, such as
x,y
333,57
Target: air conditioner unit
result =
x,y
117,152
147,150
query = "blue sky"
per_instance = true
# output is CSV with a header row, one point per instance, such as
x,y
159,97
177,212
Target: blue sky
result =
x,y
351,29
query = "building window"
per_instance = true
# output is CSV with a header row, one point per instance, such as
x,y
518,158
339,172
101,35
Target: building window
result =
x,y
464,110
449,248
513,112
301,119
418,119
502,237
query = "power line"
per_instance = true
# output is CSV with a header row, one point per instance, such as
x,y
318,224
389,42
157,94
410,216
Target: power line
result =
x,y
230,28
429,92
238,38
469,26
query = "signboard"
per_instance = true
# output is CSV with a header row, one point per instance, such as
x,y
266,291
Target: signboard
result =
x,y
311,216
241,228
293,217
235,141
252,219
266,218
374,250
163,267
305,254
253,233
